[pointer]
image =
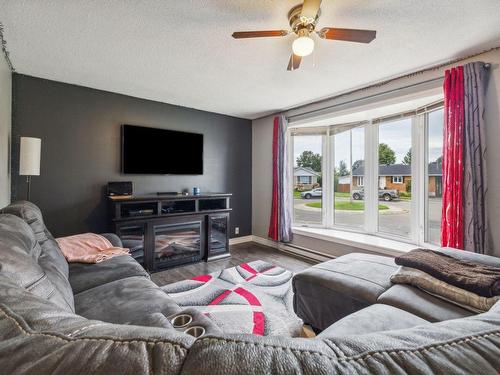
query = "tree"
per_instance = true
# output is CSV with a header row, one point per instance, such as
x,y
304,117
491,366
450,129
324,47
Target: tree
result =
x,y
407,158
386,155
309,159
358,164
343,171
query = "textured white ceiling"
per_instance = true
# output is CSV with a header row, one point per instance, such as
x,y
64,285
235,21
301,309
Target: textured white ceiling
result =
x,y
181,52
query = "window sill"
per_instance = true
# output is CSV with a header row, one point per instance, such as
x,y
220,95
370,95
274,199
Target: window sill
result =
x,y
363,241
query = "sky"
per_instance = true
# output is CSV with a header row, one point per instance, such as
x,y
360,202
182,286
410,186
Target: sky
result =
x,y
396,134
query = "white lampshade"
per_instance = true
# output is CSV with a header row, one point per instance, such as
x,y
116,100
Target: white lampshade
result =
x,y
29,158
303,46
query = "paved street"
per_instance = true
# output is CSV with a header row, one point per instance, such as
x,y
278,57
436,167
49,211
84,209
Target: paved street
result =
x,y
395,220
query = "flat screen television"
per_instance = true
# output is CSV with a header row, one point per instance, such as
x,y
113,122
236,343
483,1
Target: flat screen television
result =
x,y
160,151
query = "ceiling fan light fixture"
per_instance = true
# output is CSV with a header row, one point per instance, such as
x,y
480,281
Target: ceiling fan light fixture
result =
x,y
303,45
303,19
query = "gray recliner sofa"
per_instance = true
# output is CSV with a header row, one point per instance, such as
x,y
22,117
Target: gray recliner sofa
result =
x,y
110,318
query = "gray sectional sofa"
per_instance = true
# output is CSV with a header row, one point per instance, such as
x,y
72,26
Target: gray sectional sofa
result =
x,y
111,318
357,281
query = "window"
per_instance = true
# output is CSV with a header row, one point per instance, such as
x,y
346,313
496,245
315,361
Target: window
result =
x,y
304,179
348,159
307,152
382,177
394,145
434,186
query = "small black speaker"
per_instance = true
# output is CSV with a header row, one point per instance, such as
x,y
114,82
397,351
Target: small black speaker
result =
x,y
119,188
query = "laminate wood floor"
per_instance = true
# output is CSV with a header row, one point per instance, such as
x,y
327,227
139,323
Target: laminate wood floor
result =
x,y
240,253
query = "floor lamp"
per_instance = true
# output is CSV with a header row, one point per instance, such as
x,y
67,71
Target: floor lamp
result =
x,y
29,159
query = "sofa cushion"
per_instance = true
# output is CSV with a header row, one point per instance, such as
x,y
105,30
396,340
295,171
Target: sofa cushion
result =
x,y
51,258
20,254
84,276
331,290
373,318
124,301
422,304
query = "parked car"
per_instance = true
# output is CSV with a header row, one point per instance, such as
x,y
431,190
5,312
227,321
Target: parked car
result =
x,y
314,193
386,195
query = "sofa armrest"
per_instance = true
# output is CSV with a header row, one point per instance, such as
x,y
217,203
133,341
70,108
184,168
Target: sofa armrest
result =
x,y
113,238
486,260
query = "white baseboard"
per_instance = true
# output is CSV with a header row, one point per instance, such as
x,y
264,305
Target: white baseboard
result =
x,y
243,239
265,241
304,253
295,250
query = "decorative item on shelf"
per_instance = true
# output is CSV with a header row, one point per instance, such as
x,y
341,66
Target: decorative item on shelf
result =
x,y
29,160
196,191
120,189
167,193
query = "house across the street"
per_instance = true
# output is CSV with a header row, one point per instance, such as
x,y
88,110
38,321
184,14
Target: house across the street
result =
x,y
394,177
305,178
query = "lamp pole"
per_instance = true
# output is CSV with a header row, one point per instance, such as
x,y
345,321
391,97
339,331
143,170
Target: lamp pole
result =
x,y
28,193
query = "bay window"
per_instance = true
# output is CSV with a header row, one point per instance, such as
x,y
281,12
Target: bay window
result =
x,y
382,177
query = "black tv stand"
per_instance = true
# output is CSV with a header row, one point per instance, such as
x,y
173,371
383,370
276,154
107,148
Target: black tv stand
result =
x,y
164,230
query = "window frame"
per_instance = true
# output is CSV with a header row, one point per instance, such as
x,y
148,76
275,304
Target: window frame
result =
x,y
397,180
370,180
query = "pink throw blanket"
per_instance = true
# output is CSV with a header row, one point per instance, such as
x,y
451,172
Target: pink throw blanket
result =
x,y
88,248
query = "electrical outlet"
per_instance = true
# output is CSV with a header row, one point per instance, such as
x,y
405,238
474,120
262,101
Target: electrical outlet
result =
x,y
237,230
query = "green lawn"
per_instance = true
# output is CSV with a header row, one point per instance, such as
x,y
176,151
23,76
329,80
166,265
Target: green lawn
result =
x,y
348,206
404,195
342,195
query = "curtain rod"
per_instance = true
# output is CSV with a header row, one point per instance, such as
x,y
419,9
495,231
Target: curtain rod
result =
x,y
437,67
383,83
363,98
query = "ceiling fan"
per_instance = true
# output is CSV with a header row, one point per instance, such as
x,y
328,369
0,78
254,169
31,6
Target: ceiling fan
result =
x,y
303,19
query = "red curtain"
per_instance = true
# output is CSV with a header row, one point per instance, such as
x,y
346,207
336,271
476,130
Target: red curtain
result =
x,y
452,232
273,221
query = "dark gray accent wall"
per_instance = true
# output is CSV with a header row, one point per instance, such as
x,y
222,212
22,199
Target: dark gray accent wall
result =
x,y
80,132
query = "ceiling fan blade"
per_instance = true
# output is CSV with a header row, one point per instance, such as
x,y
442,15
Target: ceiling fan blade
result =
x,y
294,62
259,34
310,9
348,35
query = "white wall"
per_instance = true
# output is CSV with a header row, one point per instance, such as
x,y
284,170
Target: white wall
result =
x,y
262,145
5,129
262,174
